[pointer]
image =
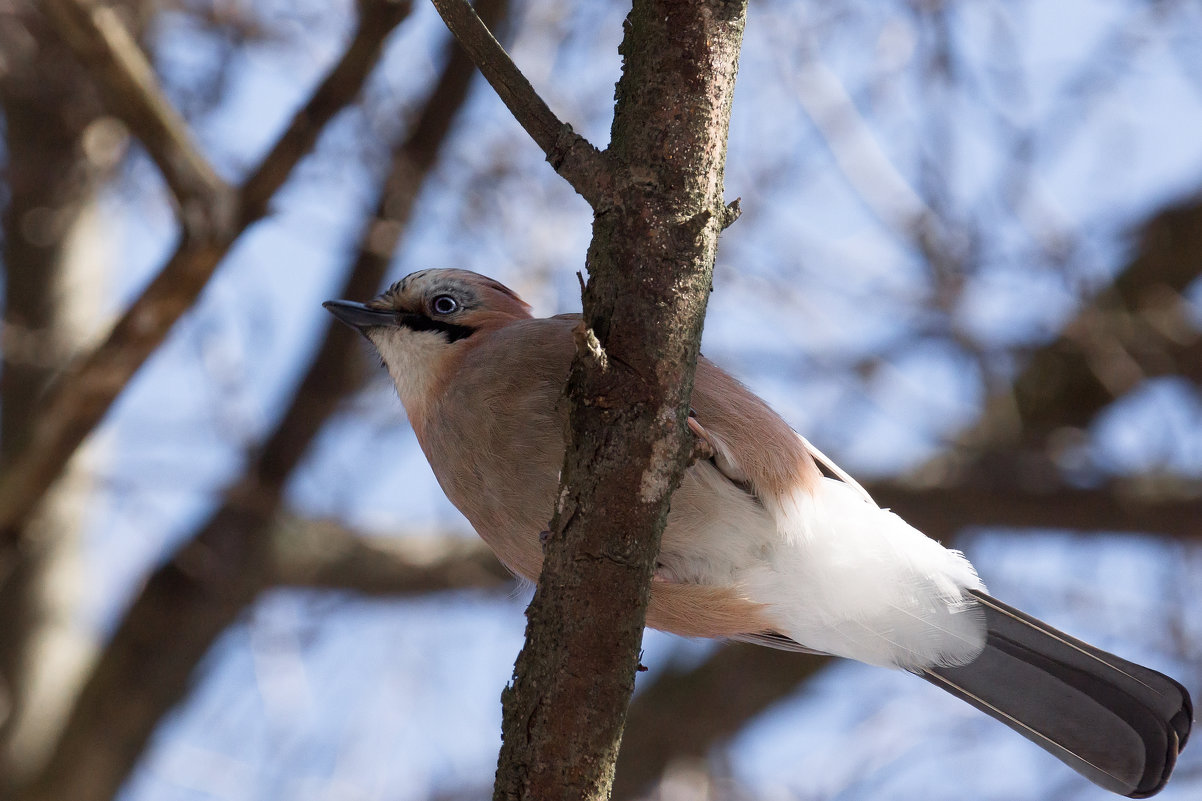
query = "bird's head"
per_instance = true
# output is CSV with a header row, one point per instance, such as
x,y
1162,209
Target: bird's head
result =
x,y
422,323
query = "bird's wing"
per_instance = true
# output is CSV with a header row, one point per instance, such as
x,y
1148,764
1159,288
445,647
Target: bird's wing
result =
x,y
837,471
752,444
837,573
716,453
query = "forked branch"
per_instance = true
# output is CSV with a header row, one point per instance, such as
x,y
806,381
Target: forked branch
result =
x,y
571,155
83,395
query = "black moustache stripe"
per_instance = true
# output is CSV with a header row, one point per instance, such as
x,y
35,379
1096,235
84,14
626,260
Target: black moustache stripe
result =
x,y
420,322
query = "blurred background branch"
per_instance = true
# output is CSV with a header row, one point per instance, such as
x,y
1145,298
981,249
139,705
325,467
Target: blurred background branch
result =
x,y
80,398
324,555
229,559
101,42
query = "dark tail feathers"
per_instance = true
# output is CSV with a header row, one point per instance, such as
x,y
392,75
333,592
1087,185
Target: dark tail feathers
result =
x,y
1118,724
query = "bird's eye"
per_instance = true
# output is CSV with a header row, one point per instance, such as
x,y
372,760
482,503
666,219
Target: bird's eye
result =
x,y
445,304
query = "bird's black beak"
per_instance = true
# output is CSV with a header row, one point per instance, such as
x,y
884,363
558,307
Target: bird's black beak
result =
x,y
359,316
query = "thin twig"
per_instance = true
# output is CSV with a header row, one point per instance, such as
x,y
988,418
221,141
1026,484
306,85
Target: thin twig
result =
x,y
572,156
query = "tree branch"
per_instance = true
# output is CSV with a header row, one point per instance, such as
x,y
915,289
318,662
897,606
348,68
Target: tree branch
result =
x,y
48,105
377,19
686,712
106,48
570,154
650,264
1135,329
324,555
84,394
942,512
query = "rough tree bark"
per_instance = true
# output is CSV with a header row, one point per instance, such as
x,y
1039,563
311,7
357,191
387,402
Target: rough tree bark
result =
x,y
658,209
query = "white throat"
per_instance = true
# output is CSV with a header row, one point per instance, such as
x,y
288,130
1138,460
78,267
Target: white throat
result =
x,y
414,360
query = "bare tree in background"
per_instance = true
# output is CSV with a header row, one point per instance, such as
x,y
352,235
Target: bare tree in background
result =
x,y
60,150
256,549
78,93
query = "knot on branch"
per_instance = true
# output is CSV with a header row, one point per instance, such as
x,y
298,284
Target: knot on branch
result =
x,y
587,343
565,142
695,225
583,166
731,212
